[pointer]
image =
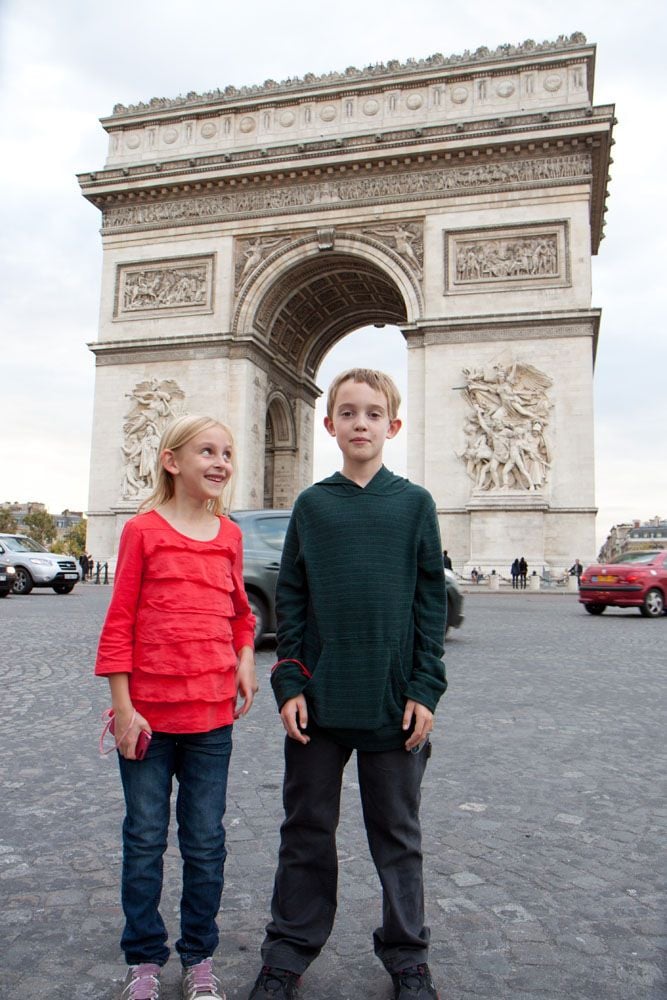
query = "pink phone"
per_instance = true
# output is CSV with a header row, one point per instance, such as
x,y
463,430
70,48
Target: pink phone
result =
x,y
143,743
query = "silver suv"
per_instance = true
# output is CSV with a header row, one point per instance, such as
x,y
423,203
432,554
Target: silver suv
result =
x,y
37,567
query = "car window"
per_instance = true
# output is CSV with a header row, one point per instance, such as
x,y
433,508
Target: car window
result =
x,y
272,530
636,557
17,544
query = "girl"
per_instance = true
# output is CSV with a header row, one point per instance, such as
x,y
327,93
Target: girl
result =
x,y
177,649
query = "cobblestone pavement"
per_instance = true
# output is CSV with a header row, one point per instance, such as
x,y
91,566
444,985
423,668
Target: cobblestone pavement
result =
x,y
544,814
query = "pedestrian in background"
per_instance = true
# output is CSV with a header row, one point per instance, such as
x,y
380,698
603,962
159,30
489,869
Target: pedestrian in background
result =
x,y
515,572
177,649
523,572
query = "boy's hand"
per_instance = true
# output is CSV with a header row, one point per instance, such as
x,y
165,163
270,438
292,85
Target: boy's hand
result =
x,y
246,681
294,714
423,722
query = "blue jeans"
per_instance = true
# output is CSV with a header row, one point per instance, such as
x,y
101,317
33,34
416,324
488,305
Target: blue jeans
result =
x,y
200,763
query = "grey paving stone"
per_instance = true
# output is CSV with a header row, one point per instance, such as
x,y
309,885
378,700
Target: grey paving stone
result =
x,y
543,800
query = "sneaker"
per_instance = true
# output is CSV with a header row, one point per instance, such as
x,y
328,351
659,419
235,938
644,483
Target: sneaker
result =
x,y
142,982
277,984
414,983
199,983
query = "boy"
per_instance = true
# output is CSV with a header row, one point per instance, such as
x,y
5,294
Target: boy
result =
x,y
361,616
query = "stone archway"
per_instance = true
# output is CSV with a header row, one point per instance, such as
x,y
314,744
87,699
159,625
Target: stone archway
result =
x,y
459,198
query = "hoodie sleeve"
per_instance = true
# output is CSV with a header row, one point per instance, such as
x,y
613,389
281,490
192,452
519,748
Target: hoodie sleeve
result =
x,y
290,675
428,683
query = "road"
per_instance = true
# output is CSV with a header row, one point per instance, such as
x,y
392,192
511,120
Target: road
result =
x,y
544,814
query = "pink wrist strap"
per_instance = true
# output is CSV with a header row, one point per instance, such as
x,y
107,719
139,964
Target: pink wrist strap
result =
x,y
109,728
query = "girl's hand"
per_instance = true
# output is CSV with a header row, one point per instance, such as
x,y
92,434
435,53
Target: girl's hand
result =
x,y
246,681
127,729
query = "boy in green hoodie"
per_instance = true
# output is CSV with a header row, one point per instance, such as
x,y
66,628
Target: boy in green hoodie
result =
x,y
361,615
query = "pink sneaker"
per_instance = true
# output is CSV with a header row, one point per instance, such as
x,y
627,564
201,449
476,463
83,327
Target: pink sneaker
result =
x,y
199,983
142,982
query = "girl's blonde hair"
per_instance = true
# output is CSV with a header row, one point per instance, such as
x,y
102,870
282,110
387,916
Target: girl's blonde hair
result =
x,y
174,436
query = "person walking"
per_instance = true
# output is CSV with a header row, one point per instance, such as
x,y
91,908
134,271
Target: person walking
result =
x,y
523,572
177,649
446,561
515,572
361,609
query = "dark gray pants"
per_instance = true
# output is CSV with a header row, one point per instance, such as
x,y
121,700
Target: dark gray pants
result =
x,y
305,891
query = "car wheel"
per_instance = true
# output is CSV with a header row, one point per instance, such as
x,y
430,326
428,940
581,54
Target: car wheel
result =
x,y
653,605
258,608
595,609
63,588
23,581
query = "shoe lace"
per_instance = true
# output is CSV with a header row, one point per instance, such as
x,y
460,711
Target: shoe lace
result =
x,y
200,982
144,984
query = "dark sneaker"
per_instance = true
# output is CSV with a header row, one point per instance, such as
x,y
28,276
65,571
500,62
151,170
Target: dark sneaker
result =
x,y
277,984
142,982
414,983
199,983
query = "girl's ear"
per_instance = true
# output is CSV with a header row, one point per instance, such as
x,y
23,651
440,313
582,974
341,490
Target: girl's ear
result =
x,y
168,460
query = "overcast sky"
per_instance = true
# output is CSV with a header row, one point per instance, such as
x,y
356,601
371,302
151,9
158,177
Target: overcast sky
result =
x,y
65,64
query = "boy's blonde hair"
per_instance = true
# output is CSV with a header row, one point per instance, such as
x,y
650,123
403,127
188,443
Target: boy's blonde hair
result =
x,y
174,436
373,378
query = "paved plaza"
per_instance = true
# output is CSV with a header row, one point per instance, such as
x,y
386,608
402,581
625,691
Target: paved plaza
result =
x,y
544,814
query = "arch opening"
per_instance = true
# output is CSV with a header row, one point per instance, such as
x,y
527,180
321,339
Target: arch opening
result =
x,y
322,314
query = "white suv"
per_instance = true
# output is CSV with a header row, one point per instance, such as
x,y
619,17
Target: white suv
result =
x,y
37,567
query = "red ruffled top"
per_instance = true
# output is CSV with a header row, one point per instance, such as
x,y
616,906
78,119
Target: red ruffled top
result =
x,y
178,617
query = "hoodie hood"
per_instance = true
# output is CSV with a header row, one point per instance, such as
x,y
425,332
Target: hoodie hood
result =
x,y
383,483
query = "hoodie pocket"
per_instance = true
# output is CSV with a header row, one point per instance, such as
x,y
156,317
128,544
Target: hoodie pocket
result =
x,y
357,685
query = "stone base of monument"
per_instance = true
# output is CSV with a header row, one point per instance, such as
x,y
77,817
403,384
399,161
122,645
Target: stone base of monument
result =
x,y
534,582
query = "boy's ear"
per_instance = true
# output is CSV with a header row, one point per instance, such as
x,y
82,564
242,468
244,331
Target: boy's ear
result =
x,y
394,427
329,424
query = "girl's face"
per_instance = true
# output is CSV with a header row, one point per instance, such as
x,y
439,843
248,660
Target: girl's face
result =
x,y
202,467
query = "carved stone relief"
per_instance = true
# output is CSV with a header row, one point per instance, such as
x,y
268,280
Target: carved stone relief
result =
x,y
249,254
315,195
506,445
505,258
153,405
407,239
153,288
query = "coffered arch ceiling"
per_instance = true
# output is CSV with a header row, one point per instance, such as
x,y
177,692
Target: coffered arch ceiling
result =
x,y
318,302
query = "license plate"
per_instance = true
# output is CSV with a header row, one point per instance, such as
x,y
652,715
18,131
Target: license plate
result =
x,y
604,579
71,576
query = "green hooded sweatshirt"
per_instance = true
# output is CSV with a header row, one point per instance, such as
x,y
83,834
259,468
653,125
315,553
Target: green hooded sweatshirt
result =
x,y
361,608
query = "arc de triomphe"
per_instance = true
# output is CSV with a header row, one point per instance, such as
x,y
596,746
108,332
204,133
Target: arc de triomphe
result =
x,y
246,231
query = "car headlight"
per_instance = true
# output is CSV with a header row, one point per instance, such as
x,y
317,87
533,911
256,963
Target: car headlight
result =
x,y
40,562
10,570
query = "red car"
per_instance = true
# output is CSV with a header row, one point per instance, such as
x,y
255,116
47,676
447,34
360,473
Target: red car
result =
x,y
635,580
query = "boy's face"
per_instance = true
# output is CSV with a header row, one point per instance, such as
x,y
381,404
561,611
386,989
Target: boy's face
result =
x,y
360,423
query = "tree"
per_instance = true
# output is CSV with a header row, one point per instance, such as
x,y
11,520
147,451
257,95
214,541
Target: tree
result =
x,y
40,526
7,521
75,539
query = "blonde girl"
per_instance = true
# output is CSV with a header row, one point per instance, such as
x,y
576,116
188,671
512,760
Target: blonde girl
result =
x,y
177,649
